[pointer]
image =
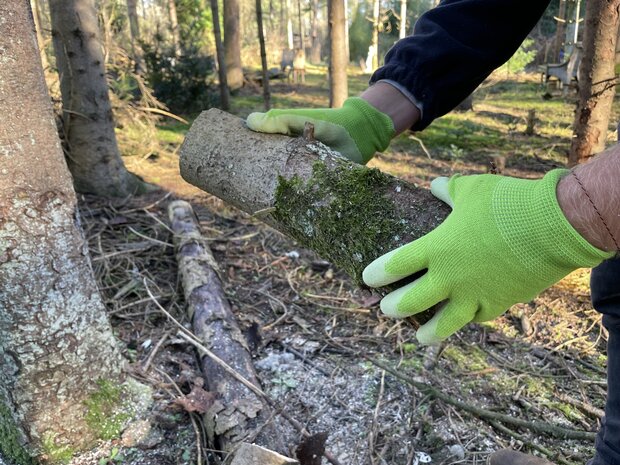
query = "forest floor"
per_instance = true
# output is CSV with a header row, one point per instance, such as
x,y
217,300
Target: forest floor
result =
x,y
543,361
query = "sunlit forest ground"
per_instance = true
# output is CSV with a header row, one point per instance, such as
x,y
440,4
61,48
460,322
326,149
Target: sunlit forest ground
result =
x,y
543,361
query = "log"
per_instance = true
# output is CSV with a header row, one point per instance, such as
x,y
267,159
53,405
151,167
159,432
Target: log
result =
x,y
251,454
347,213
238,414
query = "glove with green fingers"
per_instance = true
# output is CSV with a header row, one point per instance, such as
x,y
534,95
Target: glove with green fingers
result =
x,y
357,130
504,242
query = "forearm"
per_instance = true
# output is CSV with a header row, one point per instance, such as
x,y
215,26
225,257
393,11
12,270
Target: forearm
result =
x,y
590,199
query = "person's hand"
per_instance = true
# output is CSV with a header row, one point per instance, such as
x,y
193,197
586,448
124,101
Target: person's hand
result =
x,y
357,130
504,242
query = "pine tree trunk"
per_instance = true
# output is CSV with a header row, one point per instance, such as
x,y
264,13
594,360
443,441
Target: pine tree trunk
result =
x,y
55,340
174,27
302,29
315,50
402,33
338,86
88,124
263,55
40,42
221,62
232,45
134,29
597,80
560,33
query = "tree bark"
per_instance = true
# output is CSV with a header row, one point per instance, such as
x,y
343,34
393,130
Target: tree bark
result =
x,y
338,86
88,124
232,45
55,340
597,80
174,27
134,30
263,55
315,50
221,61
348,213
237,413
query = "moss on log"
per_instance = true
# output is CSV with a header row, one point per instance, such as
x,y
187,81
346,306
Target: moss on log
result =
x,y
348,213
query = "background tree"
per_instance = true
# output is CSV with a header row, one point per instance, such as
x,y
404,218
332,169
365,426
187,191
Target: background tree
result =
x,y
174,27
402,30
232,45
597,80
338,86
55,340
221,61
134,29
88,124
263,55
315,50
289,25
560,33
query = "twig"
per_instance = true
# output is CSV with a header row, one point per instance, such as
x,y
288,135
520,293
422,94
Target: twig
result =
x,y
149,360
419,141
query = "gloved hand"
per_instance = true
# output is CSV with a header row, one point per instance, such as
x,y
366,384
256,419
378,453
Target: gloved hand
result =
x,y
357,130
504,242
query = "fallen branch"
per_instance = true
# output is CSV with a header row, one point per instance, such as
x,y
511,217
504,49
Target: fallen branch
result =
x,y
238,413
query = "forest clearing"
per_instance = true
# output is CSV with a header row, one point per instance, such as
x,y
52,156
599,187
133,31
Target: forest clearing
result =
x,y
182,279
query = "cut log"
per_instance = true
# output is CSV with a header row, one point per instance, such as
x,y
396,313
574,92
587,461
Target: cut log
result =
x,y
238,414
349,214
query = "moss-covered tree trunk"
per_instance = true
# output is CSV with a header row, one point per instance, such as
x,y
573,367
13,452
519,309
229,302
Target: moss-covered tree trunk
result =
x,y
88,124
55,340
597,80
347,213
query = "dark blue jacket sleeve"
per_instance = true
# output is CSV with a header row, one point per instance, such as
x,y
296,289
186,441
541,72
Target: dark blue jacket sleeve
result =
x,y
454,47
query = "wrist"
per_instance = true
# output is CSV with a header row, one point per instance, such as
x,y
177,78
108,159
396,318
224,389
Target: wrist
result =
x,y
390,101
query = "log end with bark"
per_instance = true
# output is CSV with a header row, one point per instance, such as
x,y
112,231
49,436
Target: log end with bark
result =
x,y
347,213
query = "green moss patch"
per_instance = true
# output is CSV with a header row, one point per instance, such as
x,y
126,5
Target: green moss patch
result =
x,y
105,415
10,445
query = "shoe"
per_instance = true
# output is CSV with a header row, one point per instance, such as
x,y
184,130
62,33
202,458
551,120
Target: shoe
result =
x,y
510,457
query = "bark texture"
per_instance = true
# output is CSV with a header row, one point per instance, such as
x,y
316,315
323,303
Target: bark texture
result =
x,y
232,44
55,340
221,61
338,87
88,124
238,414
597,80
348,213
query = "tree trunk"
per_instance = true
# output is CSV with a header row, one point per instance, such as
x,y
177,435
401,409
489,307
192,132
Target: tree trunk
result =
x,y
302,29
315,50
289,26
55,340
338,86
88,124
597,80
560,33
347,213
402,33
375,34
134,29
232,45
174,27
221,62
263,55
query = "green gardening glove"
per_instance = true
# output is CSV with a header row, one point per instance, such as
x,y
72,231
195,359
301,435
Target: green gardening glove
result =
x,y
357,130
504,242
